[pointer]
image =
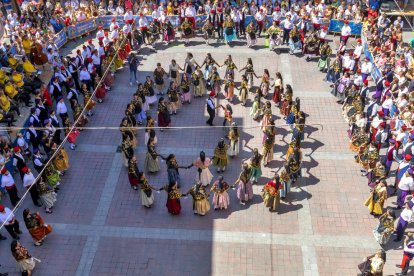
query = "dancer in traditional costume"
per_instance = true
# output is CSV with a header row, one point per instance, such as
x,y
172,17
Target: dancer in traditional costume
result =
x,y
202,163
221,199
147,196
220,159
244,185
201,205
36,226
270,193
173,201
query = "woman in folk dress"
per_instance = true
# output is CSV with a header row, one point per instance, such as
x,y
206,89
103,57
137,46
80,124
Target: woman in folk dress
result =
x,y
185,89
147,196
202,163
221,199
199,88
244,186
234,137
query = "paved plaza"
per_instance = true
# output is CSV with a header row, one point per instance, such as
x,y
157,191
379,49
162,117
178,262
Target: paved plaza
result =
x,y
100,227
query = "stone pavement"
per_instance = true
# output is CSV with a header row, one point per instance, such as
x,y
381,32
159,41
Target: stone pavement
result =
x,y
100,227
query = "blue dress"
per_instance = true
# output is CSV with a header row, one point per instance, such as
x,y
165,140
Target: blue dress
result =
x,y
229,34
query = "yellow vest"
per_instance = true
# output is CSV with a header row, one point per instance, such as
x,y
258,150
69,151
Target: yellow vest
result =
x,y
18,79
4,103
28,67
13,62
10,90
27,46
3,77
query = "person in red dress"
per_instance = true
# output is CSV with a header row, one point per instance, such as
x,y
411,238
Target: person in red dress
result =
x,y
173,201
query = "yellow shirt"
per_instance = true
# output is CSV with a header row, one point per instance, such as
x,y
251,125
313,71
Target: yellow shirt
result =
x,y
13,63
4,103
28,67
10,90
170,10
18,79
27,46
3,77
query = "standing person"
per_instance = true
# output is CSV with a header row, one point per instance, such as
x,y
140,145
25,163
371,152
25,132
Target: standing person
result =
x,y
234,137
229,30
133,173
190,64
278,90
287,27
151,164
187,31
36,226
201,205
375,202
168,31
385,227
405,218
147,196
202,163
174,72
244,186
159,74
249,73
243,91
172,169
251,34
10,222
346,32
405,185
220,159
164,118
18,161
25,262
29,181
408,255
198,83
270,193
221,199
214,81
211,108
268,144
174,97
373,265
148,89
133,67
61,159
8,183
47,194
185,89
173,200
255,165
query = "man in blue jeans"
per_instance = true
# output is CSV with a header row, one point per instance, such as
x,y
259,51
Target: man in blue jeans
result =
x,y
133,65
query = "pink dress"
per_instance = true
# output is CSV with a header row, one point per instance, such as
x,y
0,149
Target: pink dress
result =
x,y
221,199
203,172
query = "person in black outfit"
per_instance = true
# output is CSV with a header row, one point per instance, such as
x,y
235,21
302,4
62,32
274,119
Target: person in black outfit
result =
x,y
211,108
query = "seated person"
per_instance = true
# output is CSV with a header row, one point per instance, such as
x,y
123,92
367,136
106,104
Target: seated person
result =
x,y
3,77
7,105
28,66
17,79
13,62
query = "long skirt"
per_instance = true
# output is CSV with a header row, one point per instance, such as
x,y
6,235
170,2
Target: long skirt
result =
x,y
221,201
234,147
151,99
256,172
267,154
284,110
162,121
48,199
250,41
220,162
230,38
41,232
53,178
373,206
286,188
27,264
147,200
244,191
205,176
133,180
167,37
199,89
62,164
173,175
382,234
109,80
151,165
174,206
101,92
271,201
277,95
243,96
186,97
323,64
202,206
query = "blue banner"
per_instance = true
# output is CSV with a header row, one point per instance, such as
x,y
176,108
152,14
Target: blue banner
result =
x,y
60,38
105,21
81,28
336,27
376,74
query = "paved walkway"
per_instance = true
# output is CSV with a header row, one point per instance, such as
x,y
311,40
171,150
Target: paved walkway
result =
x,y
100,228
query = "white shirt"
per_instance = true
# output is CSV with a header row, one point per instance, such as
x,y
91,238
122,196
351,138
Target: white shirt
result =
x,y
349,63
358,81
358,51
112,26
128,16
7,180
114,34
287,24
406,183
7,216
387,104
366,67
276,15
127,28
259,16
406,214
84,75
61,108
143,22
346,30
100,34
190,12
28,179
156,15
96,59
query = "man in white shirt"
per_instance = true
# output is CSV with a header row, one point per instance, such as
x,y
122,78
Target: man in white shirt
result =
x,y
28,181
276,16
143,25
96,61
114,34
61,109
405,185
156,16
358,79
113,24
345,32
128,17
358,51
100,34
260,19
190,13
399,21
85,77
366,68
287,27
8,183
348,62
10,222
405,218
